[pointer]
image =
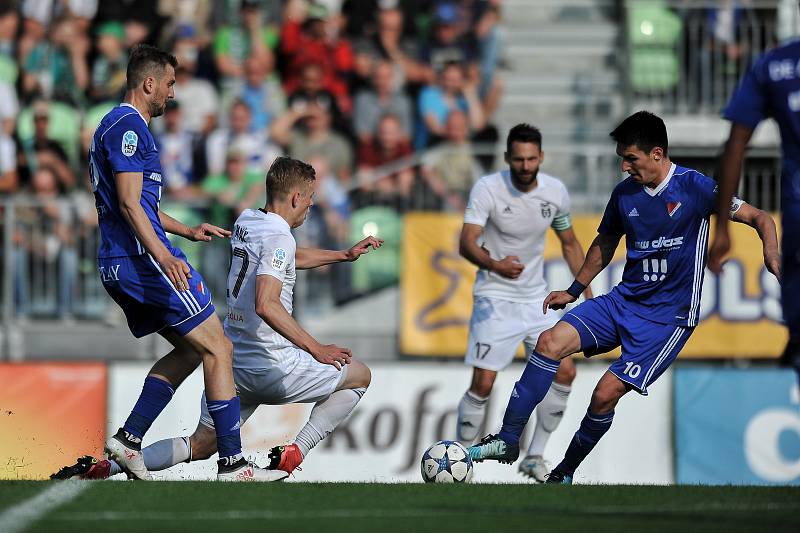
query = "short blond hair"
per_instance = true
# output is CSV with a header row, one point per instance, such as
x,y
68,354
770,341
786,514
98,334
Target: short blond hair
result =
x,y
285,174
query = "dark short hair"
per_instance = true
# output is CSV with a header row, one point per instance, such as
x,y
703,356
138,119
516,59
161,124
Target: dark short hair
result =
x,y
285,174
524,133
644,130
146,60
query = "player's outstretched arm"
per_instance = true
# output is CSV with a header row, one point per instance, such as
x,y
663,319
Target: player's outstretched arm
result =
x,y
468,247
599,255
271,311
762,222
201,232
129,193
730,171
306,258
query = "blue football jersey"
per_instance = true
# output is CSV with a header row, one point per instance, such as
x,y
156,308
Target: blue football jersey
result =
x,y
123,143
771,88
666,233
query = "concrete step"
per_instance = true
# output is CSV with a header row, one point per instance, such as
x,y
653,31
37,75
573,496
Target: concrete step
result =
x,y
520,13
522,83
601,34
558,59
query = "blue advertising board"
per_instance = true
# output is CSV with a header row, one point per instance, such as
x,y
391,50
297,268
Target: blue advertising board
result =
x,y
739,426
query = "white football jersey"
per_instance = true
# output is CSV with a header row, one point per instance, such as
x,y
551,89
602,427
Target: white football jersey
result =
x,y
515,223
261,244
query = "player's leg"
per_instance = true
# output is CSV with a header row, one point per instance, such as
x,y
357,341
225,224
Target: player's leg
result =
x,y
472,406
496,328
591,328
549,414
790,289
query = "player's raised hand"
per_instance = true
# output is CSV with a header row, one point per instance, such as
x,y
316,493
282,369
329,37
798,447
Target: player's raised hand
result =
x,y
363,247
177,271
509,267
205,231
720,247
330,354
557,300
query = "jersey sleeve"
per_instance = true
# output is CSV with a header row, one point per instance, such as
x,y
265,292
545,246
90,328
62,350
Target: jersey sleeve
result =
x,y
126,143
562,220
277,254
748,105
479,205
706,195
611,223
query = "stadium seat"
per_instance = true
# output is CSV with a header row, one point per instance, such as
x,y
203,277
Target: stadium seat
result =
x,y
653,35
8,70
376,270
96,113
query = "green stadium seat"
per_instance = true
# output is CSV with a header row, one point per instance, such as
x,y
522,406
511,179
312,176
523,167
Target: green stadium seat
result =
x,y
653,35
96,113
63,127
376,270
8,70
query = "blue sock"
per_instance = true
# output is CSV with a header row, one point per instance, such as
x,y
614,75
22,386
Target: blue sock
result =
x,y
225,414
156,394
528,392
593,427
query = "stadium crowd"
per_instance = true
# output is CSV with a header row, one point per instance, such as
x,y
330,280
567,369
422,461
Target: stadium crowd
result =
x,y
355,87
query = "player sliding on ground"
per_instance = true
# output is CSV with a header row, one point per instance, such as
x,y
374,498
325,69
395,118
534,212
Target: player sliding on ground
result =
x,y
150,279
663,210
275,361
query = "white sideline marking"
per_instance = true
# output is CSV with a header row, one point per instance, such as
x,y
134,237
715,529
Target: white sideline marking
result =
x,y
18,517
260,514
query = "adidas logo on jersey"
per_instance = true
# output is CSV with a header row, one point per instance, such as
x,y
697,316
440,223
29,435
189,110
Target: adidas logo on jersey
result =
x,y
633,213
507,209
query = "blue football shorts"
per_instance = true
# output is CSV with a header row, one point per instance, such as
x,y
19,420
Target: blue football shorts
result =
x,y
149,300
648,348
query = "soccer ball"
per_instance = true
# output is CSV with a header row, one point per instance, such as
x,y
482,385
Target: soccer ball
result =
x,y
446,461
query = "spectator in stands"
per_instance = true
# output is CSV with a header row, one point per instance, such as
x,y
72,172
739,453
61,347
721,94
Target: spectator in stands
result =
x,y
332,197
9,24
450,42
312,91
9,180
187,16
9,108
450,168
234,189
44,244
452,92
234,43
388,146
307,132
192,92
384,98
260,153
57,68
110,66
40,150
179,150
311,37
262,92
389,43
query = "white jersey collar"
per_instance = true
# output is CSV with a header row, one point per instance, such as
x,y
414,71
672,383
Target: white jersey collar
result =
x,y
272,216
662,185
126,104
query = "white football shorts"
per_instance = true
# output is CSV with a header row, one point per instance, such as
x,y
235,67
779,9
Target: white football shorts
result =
x,y
309,381
497,327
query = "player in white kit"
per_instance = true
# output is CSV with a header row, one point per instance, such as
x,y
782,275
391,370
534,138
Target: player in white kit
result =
x,y
505,223
275,361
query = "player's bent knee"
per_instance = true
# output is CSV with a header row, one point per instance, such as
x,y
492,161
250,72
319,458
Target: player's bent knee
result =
x,y
359,376
548,345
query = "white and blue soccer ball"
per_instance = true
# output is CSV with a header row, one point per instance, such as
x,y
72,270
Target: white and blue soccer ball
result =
x,y
446,461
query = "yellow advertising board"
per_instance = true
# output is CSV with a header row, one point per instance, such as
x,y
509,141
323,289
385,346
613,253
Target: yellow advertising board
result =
x,y
740,310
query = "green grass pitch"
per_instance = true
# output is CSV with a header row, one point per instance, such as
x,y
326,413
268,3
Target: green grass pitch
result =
x,y
384,508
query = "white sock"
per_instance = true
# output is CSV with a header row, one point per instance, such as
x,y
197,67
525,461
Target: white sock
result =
x,y
325,416
471,411
548,416
162,455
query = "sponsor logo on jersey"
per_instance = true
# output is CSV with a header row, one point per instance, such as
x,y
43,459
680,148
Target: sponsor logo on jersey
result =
x,y
109,274
661,242
129,142
240,233
155,176
672,207
279,259
234,316
633,213
547,210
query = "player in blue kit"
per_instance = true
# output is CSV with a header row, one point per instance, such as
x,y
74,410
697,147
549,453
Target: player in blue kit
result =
x,y
771,88
663,210
151,280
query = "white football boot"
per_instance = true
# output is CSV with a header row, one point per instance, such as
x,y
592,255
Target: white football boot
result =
x,y
244,470
131,461
534,466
